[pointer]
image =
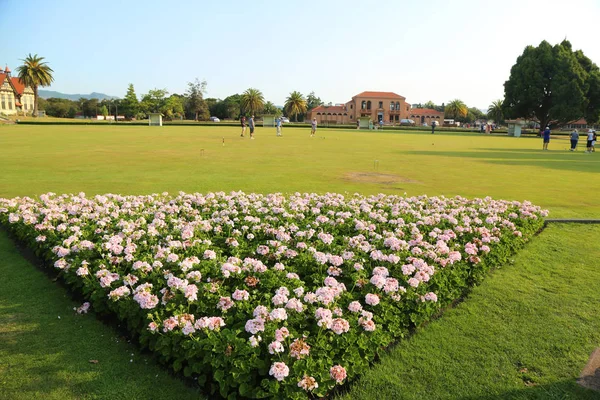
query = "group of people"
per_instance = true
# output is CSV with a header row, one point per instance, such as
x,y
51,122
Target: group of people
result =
x,y
278,124
591,140
574,136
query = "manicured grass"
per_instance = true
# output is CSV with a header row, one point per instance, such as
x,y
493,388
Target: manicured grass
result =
x,y
135,160
525,333
537,314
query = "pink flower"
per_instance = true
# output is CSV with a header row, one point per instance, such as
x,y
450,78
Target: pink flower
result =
x,y
255,340
355,306
275,347
339,326
337,373
191,292
281,334
278,314
240,295
280,371
152,327
372,299
225,303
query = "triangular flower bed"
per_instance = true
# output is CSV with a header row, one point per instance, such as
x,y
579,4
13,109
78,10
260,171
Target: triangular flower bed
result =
x,y
270,295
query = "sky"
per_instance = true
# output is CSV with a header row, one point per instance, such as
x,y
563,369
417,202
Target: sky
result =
x,y
434,50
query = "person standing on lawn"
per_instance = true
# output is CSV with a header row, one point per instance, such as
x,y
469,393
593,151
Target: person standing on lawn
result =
x,y
313,127
251,125
243,122
574,139
546,136
590,140
278,125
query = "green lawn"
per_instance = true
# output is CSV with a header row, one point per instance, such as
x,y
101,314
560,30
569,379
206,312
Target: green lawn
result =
x,y
138,159
538,314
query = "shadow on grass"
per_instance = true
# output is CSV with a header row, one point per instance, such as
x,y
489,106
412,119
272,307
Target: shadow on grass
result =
x,y
562,390
553,159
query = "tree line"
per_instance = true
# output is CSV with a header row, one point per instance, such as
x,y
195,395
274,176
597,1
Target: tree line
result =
x,y
552,85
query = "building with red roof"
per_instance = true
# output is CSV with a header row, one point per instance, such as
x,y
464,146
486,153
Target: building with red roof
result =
x,y
14,95
388,107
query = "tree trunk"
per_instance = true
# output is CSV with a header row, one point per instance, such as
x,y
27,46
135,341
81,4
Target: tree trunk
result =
x,y
296,117
196,119
35,100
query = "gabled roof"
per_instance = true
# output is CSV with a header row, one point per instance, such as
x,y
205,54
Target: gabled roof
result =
x,y
381,95
2,78
18,85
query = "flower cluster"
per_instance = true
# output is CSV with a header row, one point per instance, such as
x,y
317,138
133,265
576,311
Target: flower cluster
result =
x,y
301,290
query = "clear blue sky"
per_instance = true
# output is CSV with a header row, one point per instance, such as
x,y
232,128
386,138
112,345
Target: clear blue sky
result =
x,y
424,50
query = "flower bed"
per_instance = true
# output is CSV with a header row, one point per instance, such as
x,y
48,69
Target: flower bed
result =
x,y
268,295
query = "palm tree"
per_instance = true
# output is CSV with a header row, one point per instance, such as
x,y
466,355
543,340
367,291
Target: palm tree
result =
x,y
34,72
495,111
295,104
456,109
252,100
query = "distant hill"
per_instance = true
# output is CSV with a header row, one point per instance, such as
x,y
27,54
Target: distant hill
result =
x,y
46,94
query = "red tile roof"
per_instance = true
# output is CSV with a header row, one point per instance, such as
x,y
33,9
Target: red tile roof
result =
x,y
2,77
19,86
329,109
425,111
381,95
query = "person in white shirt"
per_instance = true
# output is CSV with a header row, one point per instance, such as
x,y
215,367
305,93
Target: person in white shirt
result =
x,y
590,140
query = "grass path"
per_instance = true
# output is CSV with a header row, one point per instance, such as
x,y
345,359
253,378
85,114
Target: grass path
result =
x,y
525,333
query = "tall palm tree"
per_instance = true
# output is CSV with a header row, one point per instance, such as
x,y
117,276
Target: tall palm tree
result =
x,y
252,100
495,111
34,73
456,109
295,104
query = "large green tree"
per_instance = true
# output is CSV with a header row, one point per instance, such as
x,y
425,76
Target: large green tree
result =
x,y
554,85
456,109
153,101
35,73
195,95
130,106
271,109
252,101
295,104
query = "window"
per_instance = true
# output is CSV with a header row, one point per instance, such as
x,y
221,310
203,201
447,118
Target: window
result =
x,y
351,117
369,105
392,106
351,106
363,105
3,102
398,105
381,104
10,102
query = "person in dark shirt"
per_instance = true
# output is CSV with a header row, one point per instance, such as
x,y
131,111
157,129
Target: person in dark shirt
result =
x,y
243,121
546,136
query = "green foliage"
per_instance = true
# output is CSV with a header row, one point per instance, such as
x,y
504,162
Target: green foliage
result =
x,y
173,107
295,104
252,101
35,73
195,100
495,111
312,101
456,109
271,109
553,84
130,106
104,111
153,101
